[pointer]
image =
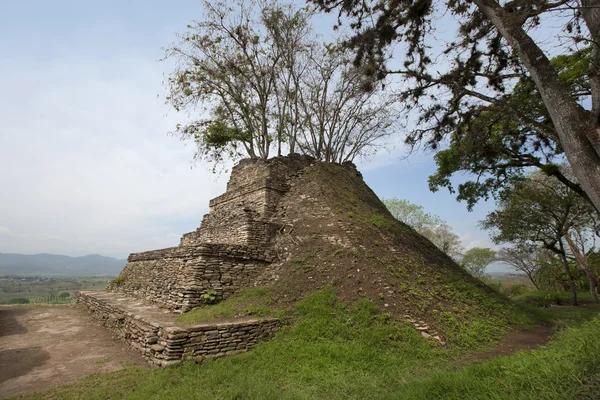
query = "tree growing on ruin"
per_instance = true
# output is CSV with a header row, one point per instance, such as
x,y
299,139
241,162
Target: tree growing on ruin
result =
x,y
494,47
259,80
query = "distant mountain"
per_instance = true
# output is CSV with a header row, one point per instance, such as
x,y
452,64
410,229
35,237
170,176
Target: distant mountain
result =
x,y
59,265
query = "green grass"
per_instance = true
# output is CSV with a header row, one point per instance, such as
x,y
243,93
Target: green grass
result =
x,y
334,351
245,303
567,368
46,289
546,298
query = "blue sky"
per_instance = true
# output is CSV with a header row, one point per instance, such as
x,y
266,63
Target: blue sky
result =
x,y
87,165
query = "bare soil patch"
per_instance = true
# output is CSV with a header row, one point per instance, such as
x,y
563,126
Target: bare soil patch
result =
x,y
46,346
513,342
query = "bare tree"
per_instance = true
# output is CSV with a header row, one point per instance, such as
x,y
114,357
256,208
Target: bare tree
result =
x,y
258,76
525,259
343,118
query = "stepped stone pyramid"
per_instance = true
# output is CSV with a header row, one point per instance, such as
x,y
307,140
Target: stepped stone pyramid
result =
x,y
232,248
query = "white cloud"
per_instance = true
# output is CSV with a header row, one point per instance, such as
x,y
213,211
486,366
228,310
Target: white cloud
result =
x,y
87,165
5,231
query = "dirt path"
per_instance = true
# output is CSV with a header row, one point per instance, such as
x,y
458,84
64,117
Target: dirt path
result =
x,y
47,346
525,340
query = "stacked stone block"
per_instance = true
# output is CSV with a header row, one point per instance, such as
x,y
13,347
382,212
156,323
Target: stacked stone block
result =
x,y
166,345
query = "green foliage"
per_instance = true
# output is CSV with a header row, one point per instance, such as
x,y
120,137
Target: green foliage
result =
x,y
119,279
19,300
476,259
335,351
514,290
411,214
499,149
567,369
53,290
547,298
209,297
431,226
379,220
247,302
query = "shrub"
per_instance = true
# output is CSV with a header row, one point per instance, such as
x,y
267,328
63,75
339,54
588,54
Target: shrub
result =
x,y
514,290
544,298
19,300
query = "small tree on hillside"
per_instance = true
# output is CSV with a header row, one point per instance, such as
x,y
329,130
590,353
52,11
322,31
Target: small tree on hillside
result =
x,y
476,259
412,214
431,226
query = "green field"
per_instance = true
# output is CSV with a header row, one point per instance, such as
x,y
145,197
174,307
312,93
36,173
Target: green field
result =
x,y
46,290
328,350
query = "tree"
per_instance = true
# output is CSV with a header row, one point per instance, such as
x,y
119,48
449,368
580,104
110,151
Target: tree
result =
x,y
582,242
412,214
259,79
499,149
539,210
476,259
430,226
526,260
446,240
493,48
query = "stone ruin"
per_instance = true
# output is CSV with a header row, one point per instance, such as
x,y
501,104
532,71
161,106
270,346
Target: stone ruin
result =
x,y
232,248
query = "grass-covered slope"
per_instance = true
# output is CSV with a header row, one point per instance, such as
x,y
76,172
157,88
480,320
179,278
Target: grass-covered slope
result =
x,y
335,351
340,234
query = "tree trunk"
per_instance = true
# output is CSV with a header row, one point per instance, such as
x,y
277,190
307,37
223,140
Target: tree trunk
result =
x,y
579,136
530,276
565,262
593,289
582,261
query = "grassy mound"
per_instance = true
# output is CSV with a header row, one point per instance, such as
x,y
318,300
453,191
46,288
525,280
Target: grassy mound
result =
x,y
340,234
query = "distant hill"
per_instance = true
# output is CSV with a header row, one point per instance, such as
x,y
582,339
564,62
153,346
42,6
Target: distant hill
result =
x,y
59,265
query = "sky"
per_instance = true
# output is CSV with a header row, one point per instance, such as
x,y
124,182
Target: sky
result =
x,y
86,162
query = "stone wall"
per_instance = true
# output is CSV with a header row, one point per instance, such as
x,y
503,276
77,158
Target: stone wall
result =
x,y
229,250
178,277
247,213
167,345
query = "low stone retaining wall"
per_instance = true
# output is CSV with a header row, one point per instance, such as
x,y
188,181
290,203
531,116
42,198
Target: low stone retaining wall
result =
x,y
178,277
167,345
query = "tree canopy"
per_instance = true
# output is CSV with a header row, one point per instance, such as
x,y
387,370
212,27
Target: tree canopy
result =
x,y
258,78
476,259
493,48
540,211
430,226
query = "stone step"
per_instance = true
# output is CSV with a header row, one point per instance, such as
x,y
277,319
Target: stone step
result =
x,y
153,331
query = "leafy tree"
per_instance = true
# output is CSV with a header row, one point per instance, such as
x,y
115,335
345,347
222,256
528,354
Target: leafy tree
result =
x,y
499,149
259,78
431,226
446,240
476,259
494,47
539,211
412,214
